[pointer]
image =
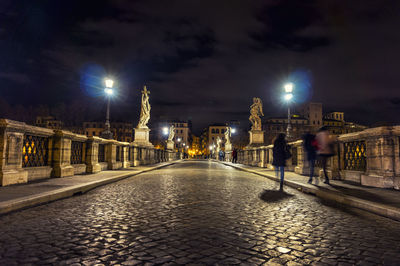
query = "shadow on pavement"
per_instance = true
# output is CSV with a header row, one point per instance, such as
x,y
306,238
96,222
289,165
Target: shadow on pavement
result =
x,y
274,195
362,194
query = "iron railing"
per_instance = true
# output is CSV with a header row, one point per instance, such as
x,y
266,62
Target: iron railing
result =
x,y
294,156
118,154
101,153
35,151
354,156
76,152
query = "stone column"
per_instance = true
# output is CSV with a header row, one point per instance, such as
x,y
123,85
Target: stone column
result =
x,y
125,156
396,136
11,143
380,155
92,159
62,154
136,155
111,155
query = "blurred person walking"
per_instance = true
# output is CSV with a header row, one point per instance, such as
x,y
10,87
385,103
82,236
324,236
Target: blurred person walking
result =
x,y
325,148
234,156
310,145
280,154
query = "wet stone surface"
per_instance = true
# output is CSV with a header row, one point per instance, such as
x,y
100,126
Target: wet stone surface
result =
x,y
196,213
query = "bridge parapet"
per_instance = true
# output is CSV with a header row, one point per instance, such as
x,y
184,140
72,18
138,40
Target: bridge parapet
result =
x,y
369,157
29,153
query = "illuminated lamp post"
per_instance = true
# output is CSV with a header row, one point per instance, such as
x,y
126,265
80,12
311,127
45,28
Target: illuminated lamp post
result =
x,y
288,97
109,91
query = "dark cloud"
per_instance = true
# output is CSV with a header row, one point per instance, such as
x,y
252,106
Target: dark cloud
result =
x,y
204,60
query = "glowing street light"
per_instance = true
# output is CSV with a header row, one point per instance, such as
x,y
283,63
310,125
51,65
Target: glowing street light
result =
x,y
108,90
288,97
233,130
288,87
165,130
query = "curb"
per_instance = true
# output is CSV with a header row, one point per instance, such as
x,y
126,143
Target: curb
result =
x,y
49,196
376,208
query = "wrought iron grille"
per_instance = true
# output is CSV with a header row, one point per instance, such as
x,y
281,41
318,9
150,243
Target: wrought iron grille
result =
x,y
76,152
354,156
294,155
35,151
101,154
118,154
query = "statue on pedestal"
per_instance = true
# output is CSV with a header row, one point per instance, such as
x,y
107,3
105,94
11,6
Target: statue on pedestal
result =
x,y
228,135
218,143
256,110
145,109
256,133
142,130
228,144
171,133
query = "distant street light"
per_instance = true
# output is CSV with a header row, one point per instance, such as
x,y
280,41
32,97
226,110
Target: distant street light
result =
x,y
109,91
233,130
288,97
165,130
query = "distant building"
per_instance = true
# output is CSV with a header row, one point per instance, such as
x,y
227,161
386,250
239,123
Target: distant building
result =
x,y
215,131
313,113
276,125
182,133
48,122
309,119
336,124
121,131
335,115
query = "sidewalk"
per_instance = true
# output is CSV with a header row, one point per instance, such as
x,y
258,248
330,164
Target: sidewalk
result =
x,y
17,197
384,202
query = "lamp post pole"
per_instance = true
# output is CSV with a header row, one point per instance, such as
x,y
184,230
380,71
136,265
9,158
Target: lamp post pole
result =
x,y
288,97
289,126
109,91
108,115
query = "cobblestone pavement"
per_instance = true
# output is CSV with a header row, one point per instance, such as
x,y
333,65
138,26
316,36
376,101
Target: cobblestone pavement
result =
x,y
196,212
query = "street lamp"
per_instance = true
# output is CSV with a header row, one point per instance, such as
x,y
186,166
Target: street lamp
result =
x,y
108,90
288,97
165,130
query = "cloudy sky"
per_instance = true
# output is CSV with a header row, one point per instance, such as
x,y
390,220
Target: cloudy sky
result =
x,y
204,60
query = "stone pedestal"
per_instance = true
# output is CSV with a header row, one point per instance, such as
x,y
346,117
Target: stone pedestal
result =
x,y
142,137
228,147
170,145
256,138
62,154
92,151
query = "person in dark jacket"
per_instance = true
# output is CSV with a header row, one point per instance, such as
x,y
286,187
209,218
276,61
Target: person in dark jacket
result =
x,y
310,146
234,156
280,154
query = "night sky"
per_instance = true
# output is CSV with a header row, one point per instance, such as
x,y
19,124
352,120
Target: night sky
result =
x,y
203,60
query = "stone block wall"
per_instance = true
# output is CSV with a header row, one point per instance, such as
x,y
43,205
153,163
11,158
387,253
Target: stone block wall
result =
x,y
370,157
29,153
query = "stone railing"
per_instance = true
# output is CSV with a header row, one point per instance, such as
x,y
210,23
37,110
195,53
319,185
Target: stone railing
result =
x,y
369,157
29,153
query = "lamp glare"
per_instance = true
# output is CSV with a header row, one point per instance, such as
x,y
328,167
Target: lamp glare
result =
x,y
109,83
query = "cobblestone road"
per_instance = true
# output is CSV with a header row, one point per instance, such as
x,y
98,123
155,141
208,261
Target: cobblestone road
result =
x,y
196,213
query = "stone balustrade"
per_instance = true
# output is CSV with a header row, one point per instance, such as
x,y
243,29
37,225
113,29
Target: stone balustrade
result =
x,y
369,157
30,153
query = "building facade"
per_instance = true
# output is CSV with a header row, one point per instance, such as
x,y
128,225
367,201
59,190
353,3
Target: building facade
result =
x,y
121,131
48,122
215,131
